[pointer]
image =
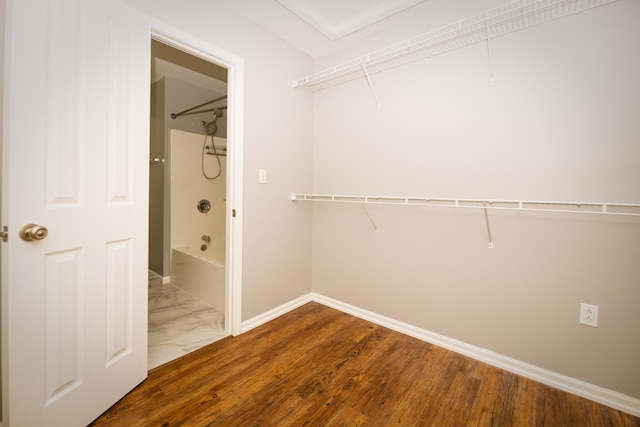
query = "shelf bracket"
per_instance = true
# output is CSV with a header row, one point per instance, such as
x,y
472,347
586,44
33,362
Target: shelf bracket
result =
x,y
488,30
486,220
375,226
366,74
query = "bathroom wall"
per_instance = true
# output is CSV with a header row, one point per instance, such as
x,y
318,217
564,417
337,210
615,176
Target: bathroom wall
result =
x,y
170,95
181,95
560,123
277,137
156,180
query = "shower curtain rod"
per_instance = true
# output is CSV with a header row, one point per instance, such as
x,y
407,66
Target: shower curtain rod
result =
x,y
190,110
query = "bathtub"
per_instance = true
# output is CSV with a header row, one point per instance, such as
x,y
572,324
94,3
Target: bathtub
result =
x,y
202,274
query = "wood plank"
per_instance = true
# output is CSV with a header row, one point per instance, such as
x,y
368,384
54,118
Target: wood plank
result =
x,y
318,366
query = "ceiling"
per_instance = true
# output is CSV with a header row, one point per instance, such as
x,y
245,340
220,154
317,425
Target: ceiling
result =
x,y
321,27
336,19
167,61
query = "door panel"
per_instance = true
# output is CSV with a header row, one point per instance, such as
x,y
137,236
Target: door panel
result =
x,y
75,303
63,309
119,304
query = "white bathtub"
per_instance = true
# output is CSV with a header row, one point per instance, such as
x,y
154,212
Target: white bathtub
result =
x,y
202,274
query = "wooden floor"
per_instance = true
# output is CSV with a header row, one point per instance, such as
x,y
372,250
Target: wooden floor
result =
x,y
317,366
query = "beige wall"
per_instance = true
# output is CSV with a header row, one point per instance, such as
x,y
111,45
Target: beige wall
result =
x,y
560,123
277,137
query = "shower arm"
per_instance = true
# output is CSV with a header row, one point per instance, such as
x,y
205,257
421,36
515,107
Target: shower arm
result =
x,y
190,110
197,112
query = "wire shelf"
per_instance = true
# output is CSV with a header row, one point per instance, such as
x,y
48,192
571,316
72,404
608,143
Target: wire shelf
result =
x,y
514,16
620,209
624,209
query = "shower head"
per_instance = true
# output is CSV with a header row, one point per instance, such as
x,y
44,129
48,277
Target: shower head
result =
x,y
217,112
210,128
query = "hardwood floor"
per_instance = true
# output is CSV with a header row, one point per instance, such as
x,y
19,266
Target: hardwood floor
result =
x,y
317,366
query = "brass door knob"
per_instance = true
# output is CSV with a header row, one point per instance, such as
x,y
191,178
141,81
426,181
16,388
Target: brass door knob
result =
x,y
32,232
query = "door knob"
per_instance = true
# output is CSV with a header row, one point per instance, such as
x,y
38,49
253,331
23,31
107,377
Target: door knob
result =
x,y
32,232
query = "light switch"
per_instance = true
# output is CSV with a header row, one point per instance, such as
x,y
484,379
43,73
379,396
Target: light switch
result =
x,y
262,176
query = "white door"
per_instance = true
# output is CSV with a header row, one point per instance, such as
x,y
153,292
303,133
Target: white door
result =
x,y
74,304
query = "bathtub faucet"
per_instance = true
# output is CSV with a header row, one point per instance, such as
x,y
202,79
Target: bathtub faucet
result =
x,y
206,238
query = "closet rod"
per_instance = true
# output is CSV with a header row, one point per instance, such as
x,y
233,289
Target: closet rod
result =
x,y
190,110
620,209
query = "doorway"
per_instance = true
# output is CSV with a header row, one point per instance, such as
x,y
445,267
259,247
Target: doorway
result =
x,y
191,197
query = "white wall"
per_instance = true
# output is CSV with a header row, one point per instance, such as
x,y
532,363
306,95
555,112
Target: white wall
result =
x,y
560,123
277,137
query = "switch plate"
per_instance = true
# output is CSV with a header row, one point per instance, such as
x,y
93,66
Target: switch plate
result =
x,y
589,315
262,176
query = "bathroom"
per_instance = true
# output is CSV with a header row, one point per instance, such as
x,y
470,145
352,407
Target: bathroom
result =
x,y
187,204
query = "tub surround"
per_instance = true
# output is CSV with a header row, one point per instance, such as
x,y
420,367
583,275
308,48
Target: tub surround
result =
x,y
201,274
189,188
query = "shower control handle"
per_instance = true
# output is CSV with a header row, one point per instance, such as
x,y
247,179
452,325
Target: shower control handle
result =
x,y
31,232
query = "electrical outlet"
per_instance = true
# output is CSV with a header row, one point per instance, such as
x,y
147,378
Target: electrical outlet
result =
x,y
589,315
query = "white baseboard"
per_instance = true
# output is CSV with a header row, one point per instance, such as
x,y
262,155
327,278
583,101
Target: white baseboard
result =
x,y
165,279
254,322
571,385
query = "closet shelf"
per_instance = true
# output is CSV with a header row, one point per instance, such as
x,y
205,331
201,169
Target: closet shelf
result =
x,y
511,17
624,209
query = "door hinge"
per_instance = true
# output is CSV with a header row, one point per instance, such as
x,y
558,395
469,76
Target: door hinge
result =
x,y
4,234
233,213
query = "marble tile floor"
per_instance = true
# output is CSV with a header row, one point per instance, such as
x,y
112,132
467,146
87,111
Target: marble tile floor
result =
x,y
178,323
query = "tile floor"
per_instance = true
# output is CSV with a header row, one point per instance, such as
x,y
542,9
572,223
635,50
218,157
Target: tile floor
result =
x,y
179,323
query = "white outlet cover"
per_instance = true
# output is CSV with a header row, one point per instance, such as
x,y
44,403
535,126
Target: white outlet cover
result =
x,y
589,315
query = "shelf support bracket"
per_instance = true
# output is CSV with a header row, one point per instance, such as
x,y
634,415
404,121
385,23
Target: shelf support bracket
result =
x,y
488,30
486,220
366,75
375,226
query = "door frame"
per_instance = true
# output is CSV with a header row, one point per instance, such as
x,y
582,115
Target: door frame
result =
x,y
178,39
